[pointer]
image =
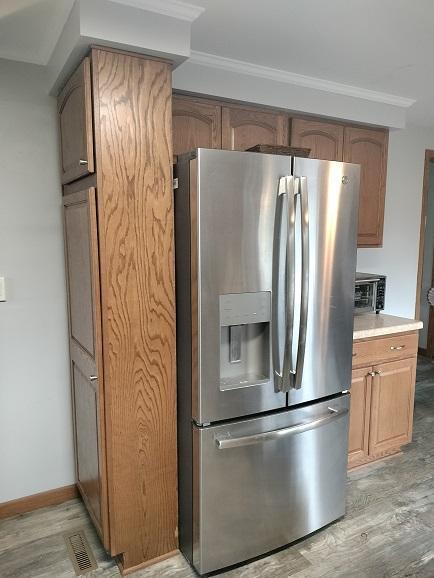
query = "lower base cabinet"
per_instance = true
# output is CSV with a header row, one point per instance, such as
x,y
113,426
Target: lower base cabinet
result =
x,y
382,400
358,439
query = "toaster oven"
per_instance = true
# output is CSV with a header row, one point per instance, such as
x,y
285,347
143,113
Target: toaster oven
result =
x,y
369,293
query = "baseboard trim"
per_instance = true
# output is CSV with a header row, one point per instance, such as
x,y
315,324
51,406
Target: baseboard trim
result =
x,y
36,501
126,571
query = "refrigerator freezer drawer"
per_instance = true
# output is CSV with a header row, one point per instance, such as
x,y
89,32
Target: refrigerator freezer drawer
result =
x,y
261,483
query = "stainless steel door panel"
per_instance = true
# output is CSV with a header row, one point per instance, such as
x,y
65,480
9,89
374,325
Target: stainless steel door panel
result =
x,y
332,193
264,482
235,197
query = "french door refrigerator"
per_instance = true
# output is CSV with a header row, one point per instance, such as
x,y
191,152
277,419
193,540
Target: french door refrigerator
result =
x,y
265,268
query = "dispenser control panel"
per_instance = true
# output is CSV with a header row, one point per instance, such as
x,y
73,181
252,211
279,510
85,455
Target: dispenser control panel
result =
x,y
245,308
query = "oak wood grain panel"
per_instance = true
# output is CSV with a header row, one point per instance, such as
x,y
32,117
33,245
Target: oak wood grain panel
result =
x,y
243,128
132,110
75,115
325,139
392,405
196,123
388,348
358,438
368,147
36,501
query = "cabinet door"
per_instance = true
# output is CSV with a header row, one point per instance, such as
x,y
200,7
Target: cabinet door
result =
x,y
75,114
243,128
392,405
358,439
195,124
85,348
325,139
368,148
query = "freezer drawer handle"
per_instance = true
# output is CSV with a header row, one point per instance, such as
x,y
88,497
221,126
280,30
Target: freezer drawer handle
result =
x,y
333,415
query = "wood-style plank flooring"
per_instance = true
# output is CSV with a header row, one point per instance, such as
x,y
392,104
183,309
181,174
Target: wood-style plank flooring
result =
x,y
388,530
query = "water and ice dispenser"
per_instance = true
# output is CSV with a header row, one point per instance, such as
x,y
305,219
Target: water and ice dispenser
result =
x,y
244,339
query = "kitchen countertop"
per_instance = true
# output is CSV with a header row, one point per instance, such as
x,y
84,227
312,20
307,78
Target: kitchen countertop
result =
x,y
373,325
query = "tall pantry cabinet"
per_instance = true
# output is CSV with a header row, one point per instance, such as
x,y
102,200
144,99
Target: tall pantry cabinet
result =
x,y
116,156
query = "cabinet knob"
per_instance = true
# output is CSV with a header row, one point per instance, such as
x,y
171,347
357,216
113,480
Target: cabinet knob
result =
x,y
377,372
397,347
371,373
93,378
82,162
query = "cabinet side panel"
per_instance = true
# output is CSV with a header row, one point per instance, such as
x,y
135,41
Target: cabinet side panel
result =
x,y
184,357
132,107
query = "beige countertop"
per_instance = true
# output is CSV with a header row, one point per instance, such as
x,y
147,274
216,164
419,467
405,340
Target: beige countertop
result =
x,y
373,325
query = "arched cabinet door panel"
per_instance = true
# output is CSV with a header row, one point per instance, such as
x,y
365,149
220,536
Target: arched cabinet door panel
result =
x,y
196,123
368,148
325,140
76,136
243,128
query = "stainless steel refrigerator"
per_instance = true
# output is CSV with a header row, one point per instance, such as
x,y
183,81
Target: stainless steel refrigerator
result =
x,y
265,268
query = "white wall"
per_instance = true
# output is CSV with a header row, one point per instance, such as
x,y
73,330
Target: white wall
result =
x,y
398,258
427,261
36,452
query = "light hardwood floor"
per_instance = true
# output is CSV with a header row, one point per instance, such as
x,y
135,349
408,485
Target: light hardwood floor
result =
x,y
388,531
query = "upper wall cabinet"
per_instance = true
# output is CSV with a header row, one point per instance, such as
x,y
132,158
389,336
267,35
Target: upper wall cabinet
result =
x,y
196,123
325,140
243,128
368,147
75,111
213,124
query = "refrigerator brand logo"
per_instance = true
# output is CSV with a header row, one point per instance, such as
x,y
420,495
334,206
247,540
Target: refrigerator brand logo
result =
x,y
345,180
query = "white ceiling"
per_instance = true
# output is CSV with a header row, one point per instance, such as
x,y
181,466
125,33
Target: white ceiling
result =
x,y
380,45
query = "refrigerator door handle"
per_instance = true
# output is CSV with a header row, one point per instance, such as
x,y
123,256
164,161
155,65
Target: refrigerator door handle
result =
x,y
304,300
283,377
223,443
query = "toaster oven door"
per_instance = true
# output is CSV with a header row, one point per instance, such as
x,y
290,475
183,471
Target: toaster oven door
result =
x,y
365,297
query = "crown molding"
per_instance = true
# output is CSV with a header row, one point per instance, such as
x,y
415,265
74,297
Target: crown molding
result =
x,y
242,67
174,8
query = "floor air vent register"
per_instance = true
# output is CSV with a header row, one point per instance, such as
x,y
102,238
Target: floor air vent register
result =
x,y
79,552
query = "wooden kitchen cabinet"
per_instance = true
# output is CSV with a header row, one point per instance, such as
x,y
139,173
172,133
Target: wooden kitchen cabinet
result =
x,y
358,438
368,147
119,246
363,146
214,124
82,272
324,139
196,123
75,118
392,405
382,397
243,128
